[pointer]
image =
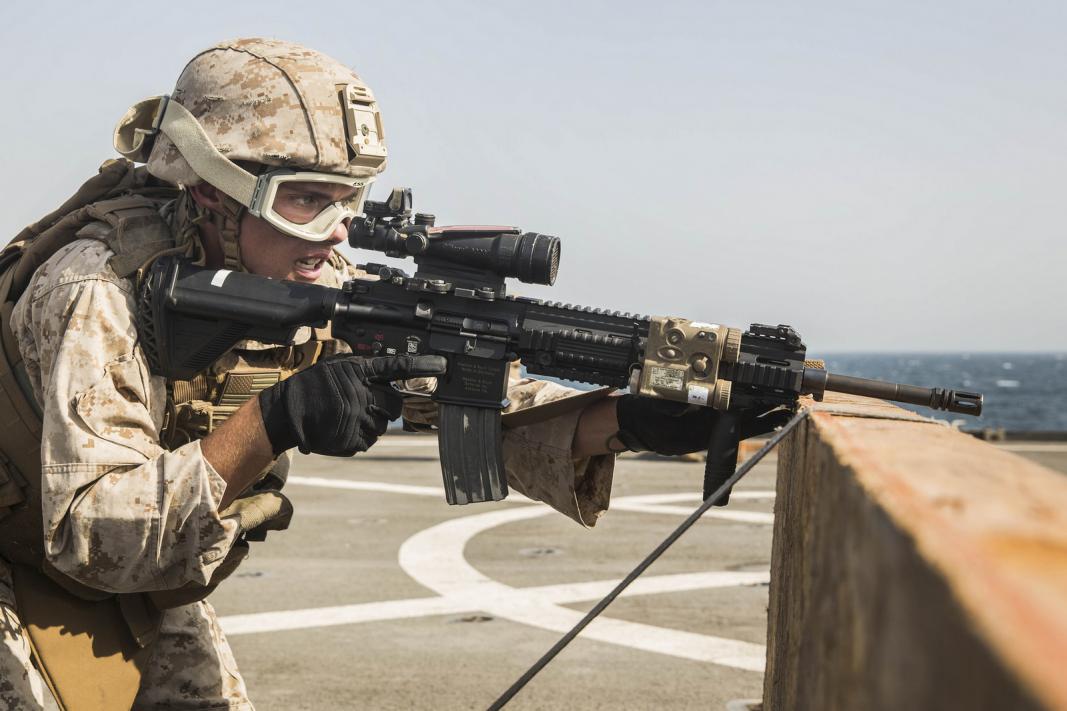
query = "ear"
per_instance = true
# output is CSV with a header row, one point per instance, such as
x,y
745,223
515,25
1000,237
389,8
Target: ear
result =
x,y
206,195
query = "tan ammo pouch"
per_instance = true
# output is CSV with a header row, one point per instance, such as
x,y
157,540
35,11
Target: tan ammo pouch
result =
x,y
93,653
85,649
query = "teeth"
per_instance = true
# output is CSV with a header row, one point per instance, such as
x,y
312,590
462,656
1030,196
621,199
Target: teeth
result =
x,y
310,262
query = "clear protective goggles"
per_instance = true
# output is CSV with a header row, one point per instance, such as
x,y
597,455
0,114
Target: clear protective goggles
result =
x,y
302,204
305,204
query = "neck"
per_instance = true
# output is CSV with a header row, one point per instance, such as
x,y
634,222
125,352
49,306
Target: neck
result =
x,y
209,237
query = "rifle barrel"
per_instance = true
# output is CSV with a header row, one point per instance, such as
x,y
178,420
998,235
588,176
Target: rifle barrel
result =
x,y
967,403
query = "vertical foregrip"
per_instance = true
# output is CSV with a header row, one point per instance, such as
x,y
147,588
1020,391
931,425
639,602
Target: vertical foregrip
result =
x,y
472,462
722,454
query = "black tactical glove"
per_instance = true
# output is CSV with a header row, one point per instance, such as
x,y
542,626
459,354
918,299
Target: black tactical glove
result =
x,y
340,405
666,427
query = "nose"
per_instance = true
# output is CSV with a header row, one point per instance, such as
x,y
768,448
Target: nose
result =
x,y
339,234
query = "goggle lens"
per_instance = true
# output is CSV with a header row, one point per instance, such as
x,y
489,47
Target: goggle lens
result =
x,y
300,203
307,205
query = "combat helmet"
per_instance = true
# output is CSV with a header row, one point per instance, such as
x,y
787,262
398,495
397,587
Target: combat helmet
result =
x,y
289,111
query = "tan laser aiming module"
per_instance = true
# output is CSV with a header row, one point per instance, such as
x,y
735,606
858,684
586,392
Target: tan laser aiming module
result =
x,y
682,359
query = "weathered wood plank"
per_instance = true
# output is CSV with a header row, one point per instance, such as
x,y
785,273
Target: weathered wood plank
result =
x,y
914,567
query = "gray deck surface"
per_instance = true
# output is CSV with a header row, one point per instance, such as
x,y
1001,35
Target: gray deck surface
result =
x,y
343,551
334,645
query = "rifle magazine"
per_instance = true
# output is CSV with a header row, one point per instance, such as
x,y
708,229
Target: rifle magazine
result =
x,y
472,461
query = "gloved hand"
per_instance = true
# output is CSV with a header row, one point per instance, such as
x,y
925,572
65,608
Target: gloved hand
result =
x,y
666,427
340,405
260,512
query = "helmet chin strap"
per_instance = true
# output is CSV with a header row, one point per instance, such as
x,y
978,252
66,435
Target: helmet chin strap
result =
x,y
191,217
227,222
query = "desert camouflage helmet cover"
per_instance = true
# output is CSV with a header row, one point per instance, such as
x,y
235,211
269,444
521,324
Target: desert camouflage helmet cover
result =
x,y
276,103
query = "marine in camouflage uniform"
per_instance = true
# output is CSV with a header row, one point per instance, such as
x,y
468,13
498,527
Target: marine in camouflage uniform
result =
x,y
125,511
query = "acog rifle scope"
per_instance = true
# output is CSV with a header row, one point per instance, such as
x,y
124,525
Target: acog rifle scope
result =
x,y
503,251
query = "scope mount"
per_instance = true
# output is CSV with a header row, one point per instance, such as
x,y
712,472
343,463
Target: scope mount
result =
x,y
429,284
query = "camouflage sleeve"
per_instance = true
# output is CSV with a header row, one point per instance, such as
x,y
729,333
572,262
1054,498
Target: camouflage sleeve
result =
x,y
121,514
537,458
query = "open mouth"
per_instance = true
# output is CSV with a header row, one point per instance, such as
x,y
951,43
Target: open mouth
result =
x,y
310,264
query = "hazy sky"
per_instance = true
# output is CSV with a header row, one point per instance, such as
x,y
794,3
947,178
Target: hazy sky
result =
x,y
882,176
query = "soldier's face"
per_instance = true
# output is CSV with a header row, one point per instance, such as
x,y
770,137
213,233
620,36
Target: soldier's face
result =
x,y
271,253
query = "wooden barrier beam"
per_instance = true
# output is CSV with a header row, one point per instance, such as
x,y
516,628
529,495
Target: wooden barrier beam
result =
x,y
913,567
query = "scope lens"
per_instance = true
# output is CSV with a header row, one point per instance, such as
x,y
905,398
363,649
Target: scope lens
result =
x,y
537,258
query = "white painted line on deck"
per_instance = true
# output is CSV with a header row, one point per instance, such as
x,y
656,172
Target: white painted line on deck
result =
x,y
657,504
736,495
406,442
342,615
380,486
653,584
695,497
1035,447
564,594
641,504
723,514
384,487
435,558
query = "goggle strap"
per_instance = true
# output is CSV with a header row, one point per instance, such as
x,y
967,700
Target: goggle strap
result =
x,y
188,136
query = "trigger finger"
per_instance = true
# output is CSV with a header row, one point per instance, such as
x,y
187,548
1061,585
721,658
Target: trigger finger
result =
x,y
387,369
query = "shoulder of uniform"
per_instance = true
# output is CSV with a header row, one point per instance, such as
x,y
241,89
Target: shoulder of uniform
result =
x,y
92,254
82,260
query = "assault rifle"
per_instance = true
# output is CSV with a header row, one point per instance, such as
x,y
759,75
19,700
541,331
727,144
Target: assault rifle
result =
x,y
456,305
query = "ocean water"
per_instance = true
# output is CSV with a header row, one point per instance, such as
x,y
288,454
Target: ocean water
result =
x,y
1023,391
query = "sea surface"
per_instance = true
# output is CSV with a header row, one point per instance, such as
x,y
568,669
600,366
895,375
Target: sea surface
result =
x,y
1024,392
